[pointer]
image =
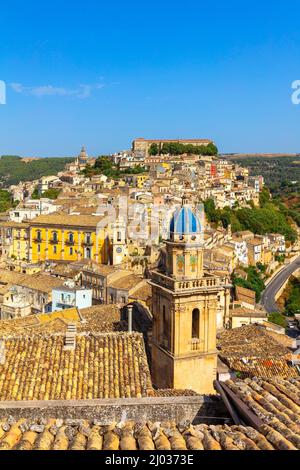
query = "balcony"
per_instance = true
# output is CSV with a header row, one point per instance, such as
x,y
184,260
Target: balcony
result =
x,y
38,240
205,283
87,243
69,242
196,344
53,241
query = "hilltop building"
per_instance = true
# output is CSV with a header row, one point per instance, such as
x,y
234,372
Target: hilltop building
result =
x,y
142,145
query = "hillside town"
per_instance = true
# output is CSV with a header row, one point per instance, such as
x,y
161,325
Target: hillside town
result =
x,y
131,317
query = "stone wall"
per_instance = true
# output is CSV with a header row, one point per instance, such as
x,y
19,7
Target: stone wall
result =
x,y
193,408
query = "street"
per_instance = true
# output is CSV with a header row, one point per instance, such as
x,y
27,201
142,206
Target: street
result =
x,y
268,296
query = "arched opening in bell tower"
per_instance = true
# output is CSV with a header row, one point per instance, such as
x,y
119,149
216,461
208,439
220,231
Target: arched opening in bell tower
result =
x,y
196,323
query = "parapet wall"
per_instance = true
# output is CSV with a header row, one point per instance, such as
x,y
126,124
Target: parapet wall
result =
x,y
195,408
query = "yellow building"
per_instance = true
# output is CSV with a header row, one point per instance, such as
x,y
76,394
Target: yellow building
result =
x,y
63,237
14,241
184,308
141,179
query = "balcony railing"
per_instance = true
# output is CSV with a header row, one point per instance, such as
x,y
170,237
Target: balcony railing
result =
x,y
69,242
53,241
38,240
88,243
205,283
196,344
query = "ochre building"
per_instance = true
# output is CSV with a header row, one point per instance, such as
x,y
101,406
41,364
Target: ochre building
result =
x,y
184,307
63,237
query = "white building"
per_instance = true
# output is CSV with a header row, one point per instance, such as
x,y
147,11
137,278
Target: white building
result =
x,y
69,296
32,208
240,250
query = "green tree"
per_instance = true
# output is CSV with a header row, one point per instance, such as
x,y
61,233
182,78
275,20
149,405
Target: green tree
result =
x,y
51,193
253,282
153,149
6,201
278,319
264,197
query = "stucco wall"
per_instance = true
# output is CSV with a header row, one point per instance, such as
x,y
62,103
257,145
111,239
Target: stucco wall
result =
x,y
106,411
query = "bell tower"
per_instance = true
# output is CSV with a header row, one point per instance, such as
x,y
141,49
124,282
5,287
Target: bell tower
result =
x,y
118,242
184,308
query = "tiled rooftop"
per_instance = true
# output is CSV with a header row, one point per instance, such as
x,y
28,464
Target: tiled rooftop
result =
x,y
41,282
56,434
277,403
67,220
250,341
250,351
126,282
96,319
101,366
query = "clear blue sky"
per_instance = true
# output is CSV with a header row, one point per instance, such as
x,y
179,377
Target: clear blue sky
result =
x,y
100,74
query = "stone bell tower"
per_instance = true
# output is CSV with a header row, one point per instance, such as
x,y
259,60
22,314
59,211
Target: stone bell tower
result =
x,y
118,242
184,307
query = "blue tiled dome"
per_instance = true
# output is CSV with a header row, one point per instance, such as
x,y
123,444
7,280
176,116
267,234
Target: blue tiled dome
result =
x,y
185,222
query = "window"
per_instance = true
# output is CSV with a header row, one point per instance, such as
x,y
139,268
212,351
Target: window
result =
x,y
166,330
39,236
71,251
119,236
39,248
88,238
195,323
55,250
71,237
54,236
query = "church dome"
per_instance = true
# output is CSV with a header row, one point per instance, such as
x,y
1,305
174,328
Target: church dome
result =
x,y
185,222
83,153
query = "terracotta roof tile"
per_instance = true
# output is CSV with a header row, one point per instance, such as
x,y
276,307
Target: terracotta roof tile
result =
x,y
101,366
276,402
58,434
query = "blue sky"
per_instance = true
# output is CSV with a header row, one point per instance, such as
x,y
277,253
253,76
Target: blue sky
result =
x,y
100,74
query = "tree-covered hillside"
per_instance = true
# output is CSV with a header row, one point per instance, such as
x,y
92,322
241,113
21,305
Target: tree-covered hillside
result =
x,y
270,217
13,169
282,174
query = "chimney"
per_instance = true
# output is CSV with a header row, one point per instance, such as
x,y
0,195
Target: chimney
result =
x,y
70,338
129,317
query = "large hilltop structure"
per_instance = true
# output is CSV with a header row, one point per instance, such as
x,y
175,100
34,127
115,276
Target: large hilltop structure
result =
x,y
142,145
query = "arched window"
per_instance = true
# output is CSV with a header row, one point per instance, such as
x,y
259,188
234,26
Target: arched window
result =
x,y
54,236
39,235
196,323
71,237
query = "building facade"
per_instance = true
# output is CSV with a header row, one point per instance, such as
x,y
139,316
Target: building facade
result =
x,y
69,296
62,237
